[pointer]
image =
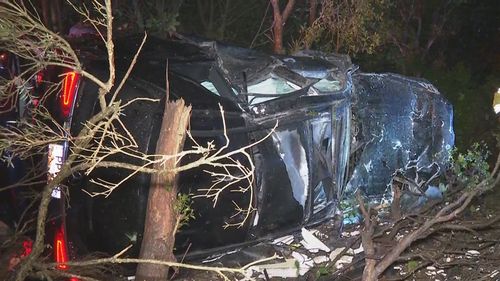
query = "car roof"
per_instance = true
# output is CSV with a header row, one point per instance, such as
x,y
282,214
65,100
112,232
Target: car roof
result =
x,y
198,59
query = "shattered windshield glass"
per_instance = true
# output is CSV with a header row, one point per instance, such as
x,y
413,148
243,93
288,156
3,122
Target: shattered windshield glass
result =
x,y
325,86
270,88
273,85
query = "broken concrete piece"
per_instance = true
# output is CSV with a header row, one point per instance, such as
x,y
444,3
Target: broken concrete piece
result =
x,y
290,268
343,260
336,252
311,243
287,240
286,269
303,260
359,250
320,259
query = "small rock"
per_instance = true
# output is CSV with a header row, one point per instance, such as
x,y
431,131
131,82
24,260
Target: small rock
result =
x,y
336,252
354,233
343,260
472,253
320,259
359,250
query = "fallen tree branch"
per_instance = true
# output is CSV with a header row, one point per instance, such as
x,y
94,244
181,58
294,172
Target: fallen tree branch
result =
x,y
117,260
448,213
369,272
374,269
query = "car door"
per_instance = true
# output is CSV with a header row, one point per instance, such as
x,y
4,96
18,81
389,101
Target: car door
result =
x,y
118,220
302,166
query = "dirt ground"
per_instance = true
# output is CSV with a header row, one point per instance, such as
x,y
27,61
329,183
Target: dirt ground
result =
x,y
460,253
468,249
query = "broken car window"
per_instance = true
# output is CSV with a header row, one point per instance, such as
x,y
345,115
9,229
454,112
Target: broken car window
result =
x,y
210,86
273,85
327,85
270,88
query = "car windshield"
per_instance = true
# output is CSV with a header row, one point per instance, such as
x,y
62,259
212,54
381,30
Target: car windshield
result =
x,y
273,85
270,88
327,85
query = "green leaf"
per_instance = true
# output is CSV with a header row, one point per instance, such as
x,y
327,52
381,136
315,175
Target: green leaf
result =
x,y
411,265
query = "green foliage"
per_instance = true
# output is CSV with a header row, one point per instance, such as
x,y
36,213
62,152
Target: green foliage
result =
x,y
349,207
411,265
158,17
163,22
470,168
322,271
226,20
184,209
345,26
297,267
471,98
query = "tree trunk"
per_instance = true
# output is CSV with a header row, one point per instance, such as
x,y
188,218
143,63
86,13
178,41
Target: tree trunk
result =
x,y
161,215
278,34
279,21
313,7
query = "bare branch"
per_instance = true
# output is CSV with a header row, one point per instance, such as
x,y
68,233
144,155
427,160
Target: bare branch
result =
x,y
129,70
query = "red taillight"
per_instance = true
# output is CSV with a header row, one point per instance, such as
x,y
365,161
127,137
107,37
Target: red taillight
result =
x,y
70,83
39,78
27,248
60,249
3,58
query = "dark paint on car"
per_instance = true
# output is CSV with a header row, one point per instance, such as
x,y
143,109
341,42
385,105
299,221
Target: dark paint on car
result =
x,y
297,179
328,114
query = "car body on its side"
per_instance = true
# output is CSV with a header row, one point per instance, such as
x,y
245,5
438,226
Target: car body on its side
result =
x,y
337,131
299,169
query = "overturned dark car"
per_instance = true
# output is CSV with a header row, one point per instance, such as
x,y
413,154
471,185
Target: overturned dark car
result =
x,y
338,130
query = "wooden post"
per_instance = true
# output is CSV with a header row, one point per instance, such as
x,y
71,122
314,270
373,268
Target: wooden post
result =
x,y
161,216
